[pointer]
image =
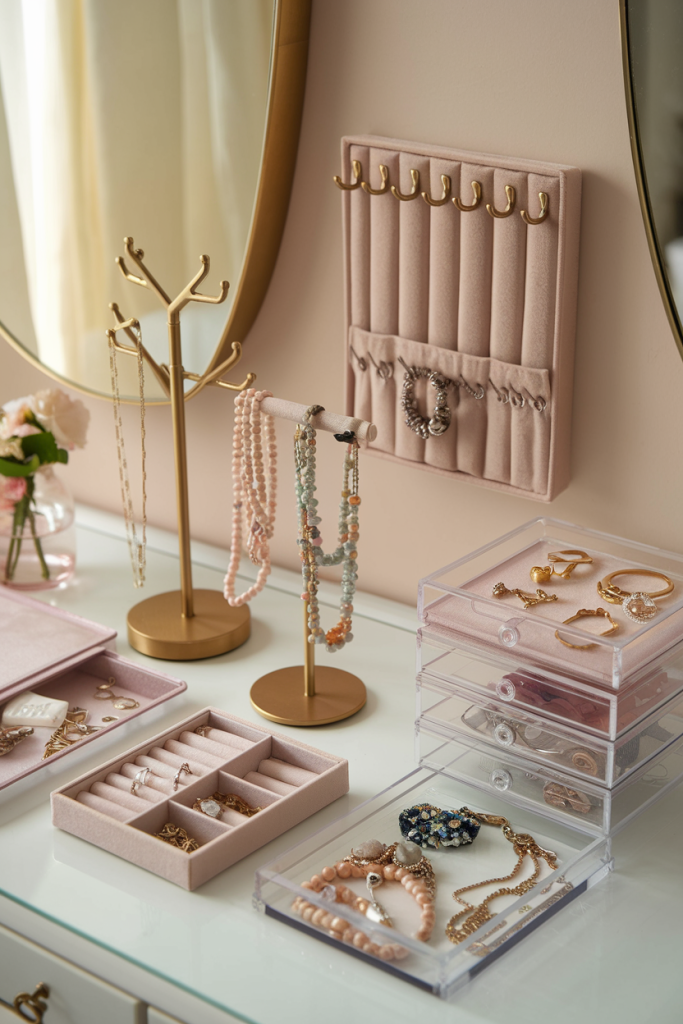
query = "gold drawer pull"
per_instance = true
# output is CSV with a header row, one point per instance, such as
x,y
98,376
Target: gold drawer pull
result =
x,y
33,1002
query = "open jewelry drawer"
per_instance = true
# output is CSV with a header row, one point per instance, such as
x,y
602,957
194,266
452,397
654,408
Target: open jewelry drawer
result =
x,y
161,786
576,825
438,965
58,656
460,710
459,600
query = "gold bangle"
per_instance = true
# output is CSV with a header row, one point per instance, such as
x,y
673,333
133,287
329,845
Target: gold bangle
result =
x,y
609,592
581,614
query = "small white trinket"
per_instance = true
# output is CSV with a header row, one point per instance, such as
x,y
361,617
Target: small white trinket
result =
x,y
32,709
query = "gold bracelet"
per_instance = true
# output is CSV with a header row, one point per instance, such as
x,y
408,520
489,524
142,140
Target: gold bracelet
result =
x,y
639,605
581,614
176,836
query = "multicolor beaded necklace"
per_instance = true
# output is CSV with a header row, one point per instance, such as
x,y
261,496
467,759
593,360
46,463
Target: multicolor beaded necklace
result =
x,y
310,540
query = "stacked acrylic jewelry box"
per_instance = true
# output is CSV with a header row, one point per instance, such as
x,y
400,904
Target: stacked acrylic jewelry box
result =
x,y
570,743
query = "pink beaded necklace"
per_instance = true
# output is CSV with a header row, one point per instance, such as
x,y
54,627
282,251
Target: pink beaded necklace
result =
x,y
254,484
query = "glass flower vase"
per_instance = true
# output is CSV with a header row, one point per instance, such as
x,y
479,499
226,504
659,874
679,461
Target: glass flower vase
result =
x,y
37,535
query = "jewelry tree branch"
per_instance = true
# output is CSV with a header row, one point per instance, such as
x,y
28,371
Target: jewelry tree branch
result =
x,y
187,624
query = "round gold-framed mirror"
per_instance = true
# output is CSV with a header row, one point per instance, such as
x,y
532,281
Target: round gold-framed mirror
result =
x,y
176,123
652,40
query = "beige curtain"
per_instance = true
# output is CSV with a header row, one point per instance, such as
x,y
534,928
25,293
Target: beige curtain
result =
x,y
128,117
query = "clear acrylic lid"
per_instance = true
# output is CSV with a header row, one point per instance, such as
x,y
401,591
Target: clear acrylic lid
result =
x,y
459,598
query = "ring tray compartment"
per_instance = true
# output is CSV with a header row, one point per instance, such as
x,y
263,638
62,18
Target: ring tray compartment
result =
x,y
496,723
459,599
288,780
59,655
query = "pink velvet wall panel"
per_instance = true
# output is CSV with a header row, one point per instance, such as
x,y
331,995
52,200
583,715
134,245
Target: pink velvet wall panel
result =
x,y
487,301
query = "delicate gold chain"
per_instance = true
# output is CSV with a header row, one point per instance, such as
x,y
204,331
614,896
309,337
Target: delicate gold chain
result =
x,y
137,548
176,836
524,846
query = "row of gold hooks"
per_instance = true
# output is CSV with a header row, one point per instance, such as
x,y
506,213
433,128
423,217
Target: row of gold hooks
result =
x,y
510,194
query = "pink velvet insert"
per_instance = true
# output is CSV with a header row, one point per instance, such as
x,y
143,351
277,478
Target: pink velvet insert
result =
x,y
78,686
100,808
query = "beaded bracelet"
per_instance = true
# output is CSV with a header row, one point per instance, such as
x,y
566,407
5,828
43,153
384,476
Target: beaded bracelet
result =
x,y
417,879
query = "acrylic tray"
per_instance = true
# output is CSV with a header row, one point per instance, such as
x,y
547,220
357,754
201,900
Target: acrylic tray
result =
x,y
493,722
287,779
592,709
458,598
550,793
57,654
437,966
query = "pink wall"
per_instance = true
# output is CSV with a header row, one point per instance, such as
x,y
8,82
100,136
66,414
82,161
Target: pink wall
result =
x,y
539,79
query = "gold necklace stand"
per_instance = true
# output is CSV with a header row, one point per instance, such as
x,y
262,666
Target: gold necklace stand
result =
x,y
306,695
185,624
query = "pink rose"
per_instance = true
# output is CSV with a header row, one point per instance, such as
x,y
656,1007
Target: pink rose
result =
x,y
12,490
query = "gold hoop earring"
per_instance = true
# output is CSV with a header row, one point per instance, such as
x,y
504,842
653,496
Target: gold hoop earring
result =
x,y
582,614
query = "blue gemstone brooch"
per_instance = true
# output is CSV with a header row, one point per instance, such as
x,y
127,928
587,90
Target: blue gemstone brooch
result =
x,y
427,825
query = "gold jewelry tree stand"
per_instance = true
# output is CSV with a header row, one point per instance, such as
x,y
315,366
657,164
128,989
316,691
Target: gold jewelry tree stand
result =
x,y
308,694
185,624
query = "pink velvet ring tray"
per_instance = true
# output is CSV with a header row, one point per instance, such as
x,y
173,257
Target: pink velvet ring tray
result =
x,y
62,656
286,779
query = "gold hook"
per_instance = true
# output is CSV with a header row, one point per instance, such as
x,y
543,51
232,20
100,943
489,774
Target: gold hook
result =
x,y
384,171
510,193
415,178
357,171
543,214
457,202
446,183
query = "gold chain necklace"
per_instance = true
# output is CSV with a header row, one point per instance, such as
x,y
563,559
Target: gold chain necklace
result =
x,y
137,548
524,845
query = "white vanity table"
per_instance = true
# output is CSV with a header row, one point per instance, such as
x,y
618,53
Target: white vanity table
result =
x,y
147,949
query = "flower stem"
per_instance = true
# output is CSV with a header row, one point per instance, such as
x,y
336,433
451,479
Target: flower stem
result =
x,y
44,567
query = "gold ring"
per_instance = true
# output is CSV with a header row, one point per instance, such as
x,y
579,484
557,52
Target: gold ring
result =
x,y
609,592
544,573
581,614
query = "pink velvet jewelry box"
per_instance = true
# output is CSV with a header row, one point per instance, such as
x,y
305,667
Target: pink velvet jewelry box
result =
x,y
286,779
57,654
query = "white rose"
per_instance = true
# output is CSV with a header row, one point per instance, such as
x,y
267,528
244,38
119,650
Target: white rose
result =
x,y
66,417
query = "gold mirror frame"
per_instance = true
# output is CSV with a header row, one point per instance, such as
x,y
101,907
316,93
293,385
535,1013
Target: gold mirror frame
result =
x,y
641,180
291,24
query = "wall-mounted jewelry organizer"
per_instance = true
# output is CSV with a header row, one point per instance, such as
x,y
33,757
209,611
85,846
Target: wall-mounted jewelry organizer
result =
x,y
287,780
461,274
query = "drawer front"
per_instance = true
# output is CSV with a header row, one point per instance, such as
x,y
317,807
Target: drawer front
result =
x,y
473,714
75,997
603,712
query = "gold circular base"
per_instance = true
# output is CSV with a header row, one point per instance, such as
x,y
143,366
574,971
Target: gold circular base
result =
x,y
156,627
280,697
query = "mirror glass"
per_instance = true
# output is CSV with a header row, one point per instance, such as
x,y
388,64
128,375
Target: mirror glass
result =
x,y
122,117
653,36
